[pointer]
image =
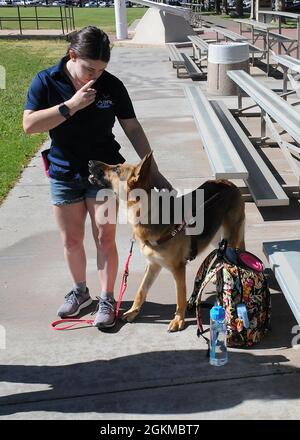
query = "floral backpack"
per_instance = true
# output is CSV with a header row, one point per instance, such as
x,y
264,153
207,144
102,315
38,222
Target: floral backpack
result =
x,y
242,290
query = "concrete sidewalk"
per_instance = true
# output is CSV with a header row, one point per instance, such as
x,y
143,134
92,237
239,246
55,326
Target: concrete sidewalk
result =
x,y
136,371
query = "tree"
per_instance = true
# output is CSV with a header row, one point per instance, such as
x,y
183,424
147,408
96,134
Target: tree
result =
x,y
280,5
218,6
239,8
253,13
225,7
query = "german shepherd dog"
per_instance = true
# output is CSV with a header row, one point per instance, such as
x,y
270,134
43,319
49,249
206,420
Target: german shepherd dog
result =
x,y
223,207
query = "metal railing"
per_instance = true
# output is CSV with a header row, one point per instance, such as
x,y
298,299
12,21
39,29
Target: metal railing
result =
x,y
65,17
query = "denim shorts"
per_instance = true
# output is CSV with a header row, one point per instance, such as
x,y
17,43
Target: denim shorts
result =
x,y
74,191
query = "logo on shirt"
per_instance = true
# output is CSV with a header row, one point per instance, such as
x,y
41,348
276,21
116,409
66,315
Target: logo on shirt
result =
x,y
104,102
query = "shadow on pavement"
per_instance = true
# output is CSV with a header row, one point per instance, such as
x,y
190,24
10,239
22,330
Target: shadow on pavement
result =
x,y
158,382
177,382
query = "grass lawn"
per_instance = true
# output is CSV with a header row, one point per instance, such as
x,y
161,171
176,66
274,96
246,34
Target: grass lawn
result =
x,y
101,17
22,60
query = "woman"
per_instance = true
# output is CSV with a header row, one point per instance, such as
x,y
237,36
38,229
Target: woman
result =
x,y
77,101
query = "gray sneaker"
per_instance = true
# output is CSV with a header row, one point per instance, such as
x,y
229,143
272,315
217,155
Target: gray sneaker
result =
x,y
106,312
74,302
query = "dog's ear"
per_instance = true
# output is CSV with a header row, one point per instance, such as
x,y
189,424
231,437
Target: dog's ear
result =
x,y
142,170
96,165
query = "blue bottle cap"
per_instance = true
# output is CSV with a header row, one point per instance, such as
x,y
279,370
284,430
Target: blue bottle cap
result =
x,y
217,313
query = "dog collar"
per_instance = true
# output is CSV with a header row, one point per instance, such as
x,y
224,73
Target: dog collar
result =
x,y
168,237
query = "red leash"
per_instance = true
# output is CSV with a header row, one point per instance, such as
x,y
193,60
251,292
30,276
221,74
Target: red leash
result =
x,y
73,320
124,279
89,322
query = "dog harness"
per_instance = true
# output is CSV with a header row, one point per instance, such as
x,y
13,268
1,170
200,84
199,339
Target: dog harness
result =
x,y
172,234
179,228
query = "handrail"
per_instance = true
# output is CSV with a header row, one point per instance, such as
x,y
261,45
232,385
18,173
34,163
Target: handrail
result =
x,y
269,101
280,14
176,10
66,18
291,15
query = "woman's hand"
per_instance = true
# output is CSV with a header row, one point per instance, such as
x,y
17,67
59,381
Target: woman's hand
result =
x,y
46,119
82,98
159,180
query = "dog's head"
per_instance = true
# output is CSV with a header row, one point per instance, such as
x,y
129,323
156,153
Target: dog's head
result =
x,y
110,176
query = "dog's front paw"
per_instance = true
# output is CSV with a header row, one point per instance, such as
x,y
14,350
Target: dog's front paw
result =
x,y
176,324
130,315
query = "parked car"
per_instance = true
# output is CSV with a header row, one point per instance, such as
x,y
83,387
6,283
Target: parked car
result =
x,y
294,7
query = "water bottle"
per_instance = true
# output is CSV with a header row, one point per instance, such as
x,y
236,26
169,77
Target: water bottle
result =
x,y
218,335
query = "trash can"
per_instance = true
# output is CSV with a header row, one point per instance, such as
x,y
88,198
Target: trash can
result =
x,y
221,58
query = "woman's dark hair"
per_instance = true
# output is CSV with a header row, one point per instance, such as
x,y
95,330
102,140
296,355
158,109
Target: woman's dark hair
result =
x,y
91,43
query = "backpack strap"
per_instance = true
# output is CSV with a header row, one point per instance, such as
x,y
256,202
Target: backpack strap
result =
x,y
200,276
209,276
208,263
207,271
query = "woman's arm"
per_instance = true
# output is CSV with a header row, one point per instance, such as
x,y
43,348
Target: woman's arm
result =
x,y
135,133
38,121
42,120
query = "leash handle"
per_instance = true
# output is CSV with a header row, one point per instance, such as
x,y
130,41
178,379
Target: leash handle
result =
x,y
74,322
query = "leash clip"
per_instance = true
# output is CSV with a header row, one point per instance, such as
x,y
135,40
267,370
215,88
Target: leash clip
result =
x,y
126,274
132,240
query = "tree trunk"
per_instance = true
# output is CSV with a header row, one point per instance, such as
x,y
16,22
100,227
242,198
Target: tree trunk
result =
x,y
218,6
225,7
280,5
239,8
253,13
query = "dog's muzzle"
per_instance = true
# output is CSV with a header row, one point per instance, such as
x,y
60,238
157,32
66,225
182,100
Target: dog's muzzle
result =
x,y
92,179
96,176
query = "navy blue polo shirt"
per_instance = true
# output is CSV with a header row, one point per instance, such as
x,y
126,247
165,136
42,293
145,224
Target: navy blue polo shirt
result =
x,y
88,133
